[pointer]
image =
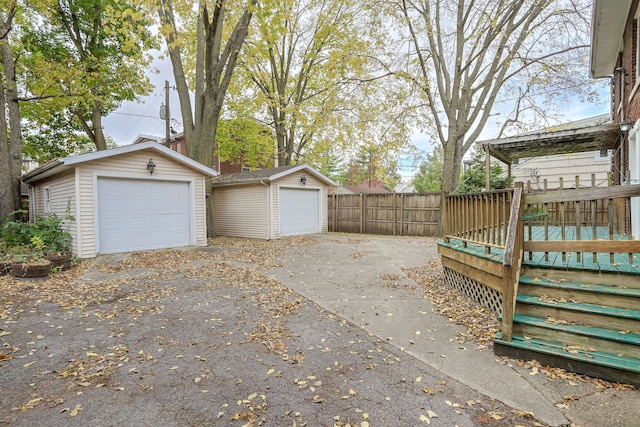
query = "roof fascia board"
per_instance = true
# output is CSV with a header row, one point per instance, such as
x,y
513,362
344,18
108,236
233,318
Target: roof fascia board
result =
x,y
607,28
97,155
311,170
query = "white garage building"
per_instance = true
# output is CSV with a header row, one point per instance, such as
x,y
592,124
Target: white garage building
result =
x,y
271,203
136,197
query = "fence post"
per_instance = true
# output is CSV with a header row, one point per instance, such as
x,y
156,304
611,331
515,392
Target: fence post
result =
x,y
394,218
361,213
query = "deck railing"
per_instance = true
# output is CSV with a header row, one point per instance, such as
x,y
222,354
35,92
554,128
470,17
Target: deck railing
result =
x,y
491,220
511,262
568,221
479,218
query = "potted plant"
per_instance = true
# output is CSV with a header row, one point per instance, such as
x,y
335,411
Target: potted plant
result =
x,y
57,242
29,261
5,260
30,243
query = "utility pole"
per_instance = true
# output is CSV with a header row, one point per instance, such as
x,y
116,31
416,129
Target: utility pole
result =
x,y
168,114
165,114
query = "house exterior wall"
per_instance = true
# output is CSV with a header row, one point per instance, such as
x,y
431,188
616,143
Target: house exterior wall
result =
x,y
241,211
293,181
131,165
63,197
625,102
565,166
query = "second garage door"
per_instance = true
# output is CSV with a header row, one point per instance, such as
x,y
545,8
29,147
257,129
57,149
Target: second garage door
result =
x,y
299,211
137,214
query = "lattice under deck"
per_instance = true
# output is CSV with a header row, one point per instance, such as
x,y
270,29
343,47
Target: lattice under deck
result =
x,y
484,295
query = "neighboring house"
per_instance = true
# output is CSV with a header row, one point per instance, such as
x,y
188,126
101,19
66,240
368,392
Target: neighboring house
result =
x,y
369,186
551,169
565,166
179,144
271,203
135,197
615,55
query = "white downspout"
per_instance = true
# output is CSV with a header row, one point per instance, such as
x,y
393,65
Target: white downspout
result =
x,y
268,186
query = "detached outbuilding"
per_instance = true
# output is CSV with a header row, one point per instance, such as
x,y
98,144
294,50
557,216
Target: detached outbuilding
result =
x,y
136,197
271,203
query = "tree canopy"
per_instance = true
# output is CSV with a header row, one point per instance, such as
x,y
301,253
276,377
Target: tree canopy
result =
x,y
314,73
80,62
470,60
428,179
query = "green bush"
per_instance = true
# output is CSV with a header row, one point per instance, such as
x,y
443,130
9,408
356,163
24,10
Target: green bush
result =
x,y
45,235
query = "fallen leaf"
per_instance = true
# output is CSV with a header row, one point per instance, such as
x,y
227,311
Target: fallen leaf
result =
x,y
76,410
425,419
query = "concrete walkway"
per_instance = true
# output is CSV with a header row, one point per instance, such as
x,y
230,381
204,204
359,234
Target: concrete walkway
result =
x,y
343,273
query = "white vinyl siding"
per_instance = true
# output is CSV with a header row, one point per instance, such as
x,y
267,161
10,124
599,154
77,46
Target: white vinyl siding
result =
x,y
241,211
76,189
62,201
565,166
134,165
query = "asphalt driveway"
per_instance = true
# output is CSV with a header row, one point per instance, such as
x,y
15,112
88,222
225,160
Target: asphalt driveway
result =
x,y
240,333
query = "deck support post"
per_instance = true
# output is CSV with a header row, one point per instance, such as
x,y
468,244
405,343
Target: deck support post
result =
x,y
513,253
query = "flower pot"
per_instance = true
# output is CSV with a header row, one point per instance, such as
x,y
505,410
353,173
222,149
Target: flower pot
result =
x,y
60,260
31,270
5,267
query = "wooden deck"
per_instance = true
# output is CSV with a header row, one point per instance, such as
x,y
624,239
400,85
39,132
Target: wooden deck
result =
x,y
566,287
601,262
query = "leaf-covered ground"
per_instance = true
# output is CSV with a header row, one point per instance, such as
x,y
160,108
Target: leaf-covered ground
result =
x,y
208,337
205,337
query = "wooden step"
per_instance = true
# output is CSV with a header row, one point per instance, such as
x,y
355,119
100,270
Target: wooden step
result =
x,y
618,319
631,281
609,295
578,336
593,363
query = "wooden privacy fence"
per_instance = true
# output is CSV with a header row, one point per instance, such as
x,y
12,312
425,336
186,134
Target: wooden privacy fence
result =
x,y
395,214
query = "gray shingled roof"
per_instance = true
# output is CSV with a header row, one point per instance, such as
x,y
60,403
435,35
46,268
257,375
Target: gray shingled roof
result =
x,y
267,175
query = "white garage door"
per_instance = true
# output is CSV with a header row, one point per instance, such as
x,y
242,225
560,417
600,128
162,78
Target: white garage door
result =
x,y
136,214
299,211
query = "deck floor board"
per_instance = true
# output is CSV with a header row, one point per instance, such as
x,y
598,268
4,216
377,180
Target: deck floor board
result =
x,y
601,262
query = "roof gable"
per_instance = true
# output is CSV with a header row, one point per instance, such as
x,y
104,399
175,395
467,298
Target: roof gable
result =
x,y
57,166
269,175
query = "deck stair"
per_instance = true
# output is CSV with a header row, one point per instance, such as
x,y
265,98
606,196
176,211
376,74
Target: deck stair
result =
x,y
585,322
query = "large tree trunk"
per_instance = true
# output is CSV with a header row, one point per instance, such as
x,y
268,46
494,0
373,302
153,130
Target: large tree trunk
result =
x,y
10,136
452,160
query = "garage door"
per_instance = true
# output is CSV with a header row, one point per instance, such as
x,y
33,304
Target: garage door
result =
x,y
142,214
299,211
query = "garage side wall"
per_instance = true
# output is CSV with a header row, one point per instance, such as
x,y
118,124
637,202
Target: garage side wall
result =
x,y
293,181
133,165
241,211
62,196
